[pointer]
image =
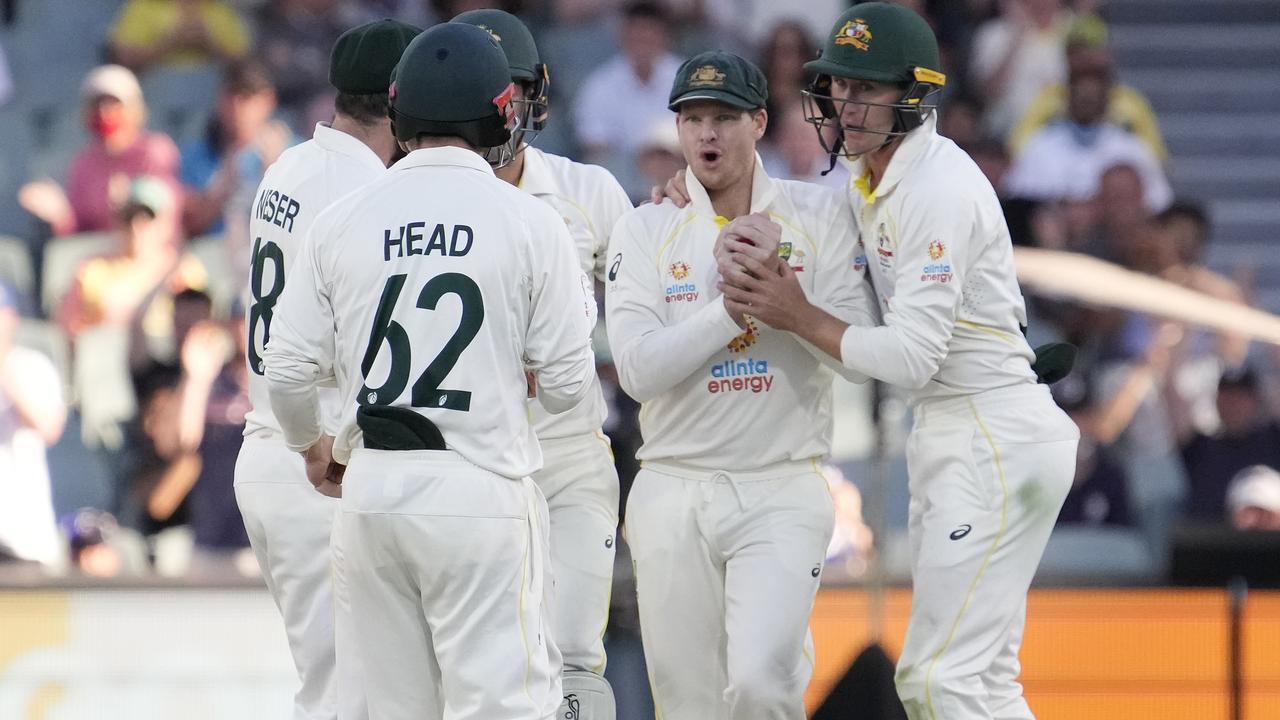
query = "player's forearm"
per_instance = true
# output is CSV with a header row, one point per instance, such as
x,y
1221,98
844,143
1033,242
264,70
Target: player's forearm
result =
x,y
295,401
654,361
833,363
890,353
565,383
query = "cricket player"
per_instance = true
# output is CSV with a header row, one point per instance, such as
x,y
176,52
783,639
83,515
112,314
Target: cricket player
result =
x,y
729,518
990,456
427,293
289,523
578,476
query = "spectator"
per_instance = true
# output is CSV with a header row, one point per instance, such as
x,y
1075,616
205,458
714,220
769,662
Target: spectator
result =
x,y
793,153
1124,226
121,149
621,100
151,33
146,357
1066,160
1127,108
1253,499
296,37
1248,436
785,51
660,156
1100,493
743,25
852,545
991,158
1016,55
240,143
32,415
142,279
99,547
160,471
961,120
213,400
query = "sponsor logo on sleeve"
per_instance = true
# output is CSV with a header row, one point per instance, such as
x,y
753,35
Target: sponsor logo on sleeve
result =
x,y
613,269
935,271
680,290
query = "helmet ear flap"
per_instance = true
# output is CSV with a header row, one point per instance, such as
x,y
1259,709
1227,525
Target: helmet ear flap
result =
x,y
910,112
539,103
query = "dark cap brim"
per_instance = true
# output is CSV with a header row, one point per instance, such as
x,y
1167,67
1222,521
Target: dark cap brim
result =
x,y
716,96
826,67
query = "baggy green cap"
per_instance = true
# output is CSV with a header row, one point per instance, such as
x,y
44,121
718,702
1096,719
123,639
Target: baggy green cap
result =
x,y
722,77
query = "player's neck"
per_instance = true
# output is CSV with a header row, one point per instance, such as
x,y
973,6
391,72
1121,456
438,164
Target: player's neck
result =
x,y
877,161
376,137
732,201
513,171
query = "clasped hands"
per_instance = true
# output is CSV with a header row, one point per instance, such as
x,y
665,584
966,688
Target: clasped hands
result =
x,y
755,281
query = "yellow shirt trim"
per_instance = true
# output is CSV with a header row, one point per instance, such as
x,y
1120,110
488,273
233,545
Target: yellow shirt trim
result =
x,y
863,184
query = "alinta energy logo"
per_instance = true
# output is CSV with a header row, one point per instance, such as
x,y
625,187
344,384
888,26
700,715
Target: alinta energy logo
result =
x,y
745,375
939,272
680,291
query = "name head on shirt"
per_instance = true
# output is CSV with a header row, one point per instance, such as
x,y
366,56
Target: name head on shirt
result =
x,y
277,208
412,239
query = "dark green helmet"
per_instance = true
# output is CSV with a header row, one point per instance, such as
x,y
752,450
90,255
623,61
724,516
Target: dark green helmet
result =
x,y
880,42
527,70
453,80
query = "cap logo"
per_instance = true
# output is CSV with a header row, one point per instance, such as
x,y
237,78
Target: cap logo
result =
x,y
391,91
503,102
491,31
854,32
706,76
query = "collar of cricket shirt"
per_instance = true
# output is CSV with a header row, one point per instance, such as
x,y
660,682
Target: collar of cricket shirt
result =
x,y
447,156
339,142
912,147
763,191
537,178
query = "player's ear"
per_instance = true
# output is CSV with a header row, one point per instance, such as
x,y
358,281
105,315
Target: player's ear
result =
x,y
761,119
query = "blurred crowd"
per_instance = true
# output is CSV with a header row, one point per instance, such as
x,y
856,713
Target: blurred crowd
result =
x,y
122,379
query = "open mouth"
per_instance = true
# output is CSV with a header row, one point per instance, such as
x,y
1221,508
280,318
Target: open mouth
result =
x,y
709,156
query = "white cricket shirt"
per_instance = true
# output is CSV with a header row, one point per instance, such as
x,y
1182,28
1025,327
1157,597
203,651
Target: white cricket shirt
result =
x,y
715,396
941,262
304,180
590,201
440,283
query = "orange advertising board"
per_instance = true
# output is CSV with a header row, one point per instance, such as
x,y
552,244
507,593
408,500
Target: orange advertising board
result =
x,y
1097,654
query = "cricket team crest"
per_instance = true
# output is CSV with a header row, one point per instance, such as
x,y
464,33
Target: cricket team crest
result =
x,y
937,250
784,250
706,76
678,270
884,245
856,33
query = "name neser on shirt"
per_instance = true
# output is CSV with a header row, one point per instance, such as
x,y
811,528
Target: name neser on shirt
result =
x,y
277,208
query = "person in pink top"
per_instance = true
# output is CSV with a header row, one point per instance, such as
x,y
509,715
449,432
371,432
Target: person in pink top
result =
x,y
121,149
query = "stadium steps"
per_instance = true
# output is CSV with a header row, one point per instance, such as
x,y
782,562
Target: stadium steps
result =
x,y
1212,72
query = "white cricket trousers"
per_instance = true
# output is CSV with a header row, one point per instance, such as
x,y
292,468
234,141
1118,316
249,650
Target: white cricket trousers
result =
x,y
289,525
988,475
727,565
445,564
580,484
